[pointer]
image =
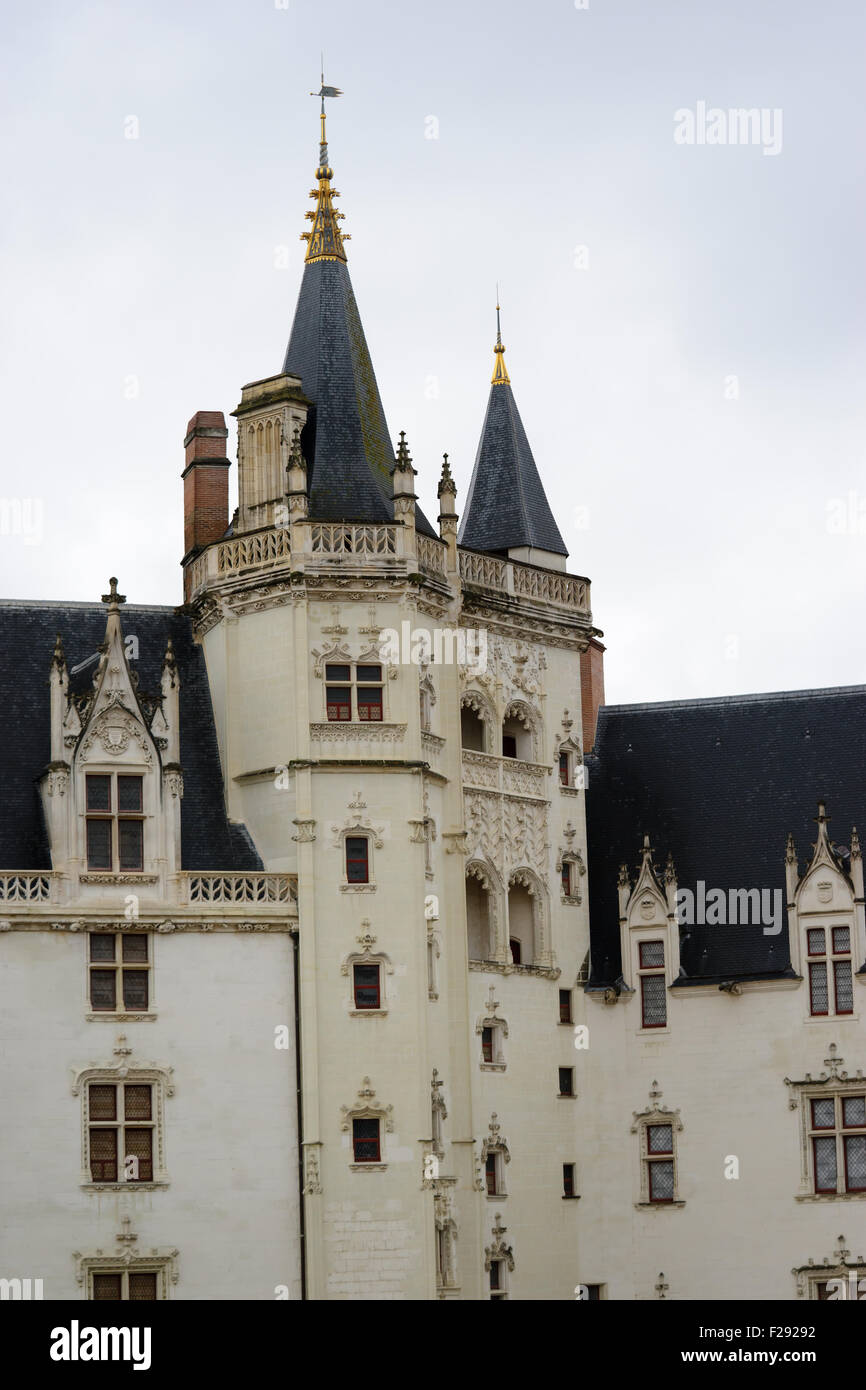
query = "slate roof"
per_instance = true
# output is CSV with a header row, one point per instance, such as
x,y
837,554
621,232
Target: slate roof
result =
x,y
27,636
720,783
507,506
346,441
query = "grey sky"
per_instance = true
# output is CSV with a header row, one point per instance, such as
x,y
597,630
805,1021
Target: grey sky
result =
x,y
155,259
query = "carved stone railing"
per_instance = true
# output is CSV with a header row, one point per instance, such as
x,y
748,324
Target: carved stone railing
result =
x,y
26,888
490,773
431,555
260,890
525,581
252,551
329,538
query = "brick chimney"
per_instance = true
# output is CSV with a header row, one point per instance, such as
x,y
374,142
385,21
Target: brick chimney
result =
x,y
205,482
591,690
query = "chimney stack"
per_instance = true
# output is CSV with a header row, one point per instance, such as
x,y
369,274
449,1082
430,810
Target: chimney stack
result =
x,y
591,690
205,482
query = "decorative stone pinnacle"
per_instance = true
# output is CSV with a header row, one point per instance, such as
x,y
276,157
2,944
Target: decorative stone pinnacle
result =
x,y
113,598
296,458
446,482
855,843
790,850
59,658
403,460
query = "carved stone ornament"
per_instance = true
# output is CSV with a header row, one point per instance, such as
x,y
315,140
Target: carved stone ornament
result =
x,y
367,1106
498,1250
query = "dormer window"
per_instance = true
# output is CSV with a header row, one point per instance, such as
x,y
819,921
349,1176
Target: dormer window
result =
x,y
115,822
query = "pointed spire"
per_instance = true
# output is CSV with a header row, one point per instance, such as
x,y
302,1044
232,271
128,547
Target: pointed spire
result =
x,y
507,508
325,241
500,375
59,657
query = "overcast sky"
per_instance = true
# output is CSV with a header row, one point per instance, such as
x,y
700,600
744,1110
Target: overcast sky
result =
x,y
683,322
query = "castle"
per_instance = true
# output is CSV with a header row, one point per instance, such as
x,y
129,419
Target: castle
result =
x,y
352,948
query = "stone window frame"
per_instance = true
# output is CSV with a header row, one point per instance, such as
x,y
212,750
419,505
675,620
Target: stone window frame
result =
x,y
495,1143
523,876
528,716
656,1114
833,1084
367,956
162,1262
500,1032
488,877
367,1107
849,1272
339,655
160,1078
121,1014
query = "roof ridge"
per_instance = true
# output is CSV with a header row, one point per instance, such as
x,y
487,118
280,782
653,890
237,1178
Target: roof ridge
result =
x,y
756,697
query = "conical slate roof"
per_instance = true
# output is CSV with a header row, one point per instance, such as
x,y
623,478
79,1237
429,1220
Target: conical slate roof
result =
x,y
507,506
346,442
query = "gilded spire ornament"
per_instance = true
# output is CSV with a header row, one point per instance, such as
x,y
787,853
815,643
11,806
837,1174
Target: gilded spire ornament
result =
x,y
500,373
325,241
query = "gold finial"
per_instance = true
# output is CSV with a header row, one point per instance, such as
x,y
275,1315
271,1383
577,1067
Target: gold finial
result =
x,y
325,241
500,372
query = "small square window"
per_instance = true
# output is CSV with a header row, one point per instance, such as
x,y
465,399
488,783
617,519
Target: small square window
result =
x,y
660,1139
841,940
101,946
365,1141
818,993
566,1081
652,955
129,794
823,1114
99,844
98,793
661,1181
370,704
107,1288
854,1112
509,746
816,941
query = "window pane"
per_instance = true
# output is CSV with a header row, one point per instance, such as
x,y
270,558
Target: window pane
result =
x,y
565,1081
844,987
516,951
101,946
660,1139
131,841
823,1114
566,879
652,953
103,1102
661,1177
568,1179
565,1006
825,1164
855,1162
815,939
107,1288
366,986
139,1144
98,793
337,673
854,1111
370,704
841,939
490,1174
135,989
129,793
509,746
495,1268
135,947
136,1103
103,1155
818,988
142,1287
356,859
365,1140
368,673
653,1001
99,844
338,703
563,769
487,1044
103,991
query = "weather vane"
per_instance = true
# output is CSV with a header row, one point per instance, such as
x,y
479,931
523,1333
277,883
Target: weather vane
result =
x,y
322,93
